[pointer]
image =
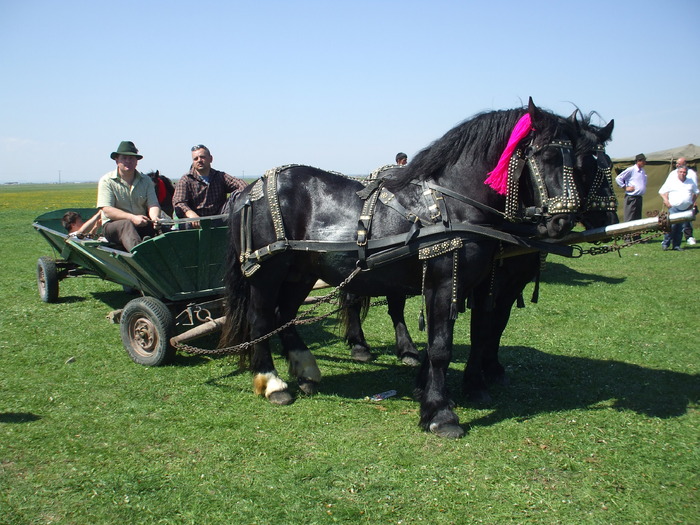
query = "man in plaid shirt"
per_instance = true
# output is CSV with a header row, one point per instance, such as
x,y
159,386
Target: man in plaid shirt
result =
x,y
202,192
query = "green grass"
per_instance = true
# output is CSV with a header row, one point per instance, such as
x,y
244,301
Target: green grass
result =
x,y
600,423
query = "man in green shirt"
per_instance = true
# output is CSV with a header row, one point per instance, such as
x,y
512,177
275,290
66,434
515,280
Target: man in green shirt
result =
x,y
127,199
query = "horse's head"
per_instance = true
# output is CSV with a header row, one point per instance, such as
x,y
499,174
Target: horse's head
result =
x,y
533,170
593,173
541,186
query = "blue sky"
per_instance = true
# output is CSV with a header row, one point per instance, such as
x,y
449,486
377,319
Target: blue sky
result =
x,y
341,85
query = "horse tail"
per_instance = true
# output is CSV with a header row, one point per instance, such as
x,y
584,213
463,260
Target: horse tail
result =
x,y
347,301
236,329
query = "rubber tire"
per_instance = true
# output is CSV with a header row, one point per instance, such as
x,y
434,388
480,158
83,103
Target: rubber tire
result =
x,y
146,327
47,279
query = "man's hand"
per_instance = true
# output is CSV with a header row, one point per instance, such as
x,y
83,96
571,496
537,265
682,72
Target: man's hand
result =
x,y
139,220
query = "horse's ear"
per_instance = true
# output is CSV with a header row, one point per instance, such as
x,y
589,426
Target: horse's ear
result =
x,y
605,133
157,173
534,111
574,121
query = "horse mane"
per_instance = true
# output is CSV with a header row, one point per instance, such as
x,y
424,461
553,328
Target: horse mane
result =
x,y
483,137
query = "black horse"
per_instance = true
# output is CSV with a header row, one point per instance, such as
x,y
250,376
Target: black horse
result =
x,y
509,276
492,299
432,227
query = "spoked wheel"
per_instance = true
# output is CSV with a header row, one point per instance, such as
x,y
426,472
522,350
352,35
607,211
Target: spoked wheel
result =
x,y
47,279
146,327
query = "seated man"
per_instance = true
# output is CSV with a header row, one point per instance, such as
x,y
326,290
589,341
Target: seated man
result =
x,y
74,224
127,199
203,191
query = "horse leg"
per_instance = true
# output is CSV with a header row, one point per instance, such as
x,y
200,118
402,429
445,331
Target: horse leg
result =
x,y
519,271
354,335
262,319
481,329
436,408
405,347
302,363
489,321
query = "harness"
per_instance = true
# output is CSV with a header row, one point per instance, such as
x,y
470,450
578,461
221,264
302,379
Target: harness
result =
x,y
428,236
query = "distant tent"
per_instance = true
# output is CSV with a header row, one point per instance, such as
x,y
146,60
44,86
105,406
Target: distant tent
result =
x,y
662,162
659,165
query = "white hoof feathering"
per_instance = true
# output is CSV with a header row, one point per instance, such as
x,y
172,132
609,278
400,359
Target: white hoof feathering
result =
x,y
267,384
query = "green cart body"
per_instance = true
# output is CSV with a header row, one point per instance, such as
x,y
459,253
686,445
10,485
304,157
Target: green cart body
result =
x,y
179,275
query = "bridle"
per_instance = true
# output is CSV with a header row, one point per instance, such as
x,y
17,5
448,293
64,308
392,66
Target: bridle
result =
x,y
546,206
597,199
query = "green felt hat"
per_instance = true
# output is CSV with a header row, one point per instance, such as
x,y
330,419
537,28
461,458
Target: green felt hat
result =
x,y
126,148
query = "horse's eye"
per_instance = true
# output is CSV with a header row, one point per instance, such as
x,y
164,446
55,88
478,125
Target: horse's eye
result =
x,y
551,155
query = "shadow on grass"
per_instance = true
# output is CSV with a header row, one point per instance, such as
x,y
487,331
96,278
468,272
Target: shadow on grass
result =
x,y
542,383
18,417
114,299
560,273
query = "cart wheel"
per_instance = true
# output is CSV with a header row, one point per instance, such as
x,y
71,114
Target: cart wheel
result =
x,y
146,327
47,279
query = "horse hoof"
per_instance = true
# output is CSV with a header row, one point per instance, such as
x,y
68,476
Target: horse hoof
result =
x,y
281,397
447,430
498,379
310,388
361,354
410,359
479,397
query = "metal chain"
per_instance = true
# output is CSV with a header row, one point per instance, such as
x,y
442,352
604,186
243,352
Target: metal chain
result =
x,y
616,247
629,240
240,348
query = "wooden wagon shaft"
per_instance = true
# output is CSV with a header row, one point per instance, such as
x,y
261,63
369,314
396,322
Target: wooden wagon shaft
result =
x,y
209,327
607,232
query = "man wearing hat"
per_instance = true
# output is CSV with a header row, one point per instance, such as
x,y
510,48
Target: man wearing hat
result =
x,y
634,181
127,199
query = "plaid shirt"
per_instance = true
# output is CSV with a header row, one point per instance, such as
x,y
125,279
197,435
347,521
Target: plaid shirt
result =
x,y
192,193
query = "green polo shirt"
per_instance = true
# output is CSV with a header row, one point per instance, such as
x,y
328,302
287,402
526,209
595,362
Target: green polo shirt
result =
x,y
136,199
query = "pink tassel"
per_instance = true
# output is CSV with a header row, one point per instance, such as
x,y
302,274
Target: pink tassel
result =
x,y
498,178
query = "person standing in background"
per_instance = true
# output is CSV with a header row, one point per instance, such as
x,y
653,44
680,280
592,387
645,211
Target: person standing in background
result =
x,y
634,182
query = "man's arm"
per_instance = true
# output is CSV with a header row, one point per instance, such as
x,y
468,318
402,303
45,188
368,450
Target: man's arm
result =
x,y
233,184
180,199
664,196
115,214
154,213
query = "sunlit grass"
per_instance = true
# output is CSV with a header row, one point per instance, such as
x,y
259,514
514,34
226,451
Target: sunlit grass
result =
x,y
599,424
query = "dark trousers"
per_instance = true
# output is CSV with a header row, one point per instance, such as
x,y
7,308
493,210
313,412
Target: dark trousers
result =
x,y
633,207
688,229
125,233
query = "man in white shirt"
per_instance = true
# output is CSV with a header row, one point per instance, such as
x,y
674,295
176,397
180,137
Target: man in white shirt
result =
x,y
679,194
692,175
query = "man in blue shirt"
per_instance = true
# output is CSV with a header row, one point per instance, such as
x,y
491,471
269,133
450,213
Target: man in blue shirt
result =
x,y
634,181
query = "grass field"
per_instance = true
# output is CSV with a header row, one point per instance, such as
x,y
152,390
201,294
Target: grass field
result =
x,y
600,424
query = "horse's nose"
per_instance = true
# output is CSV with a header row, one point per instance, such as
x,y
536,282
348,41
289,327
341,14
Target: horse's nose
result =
x,y
560,225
